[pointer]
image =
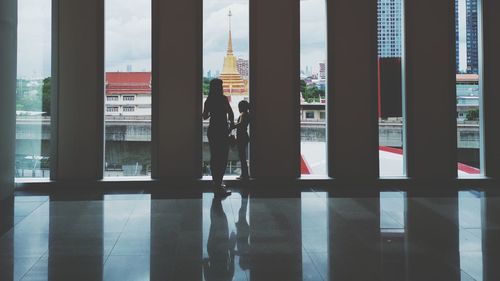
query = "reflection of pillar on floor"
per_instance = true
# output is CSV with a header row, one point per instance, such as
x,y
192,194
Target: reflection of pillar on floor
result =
x,y
76,245
432,237
176,239
6,241
491,237
275,238
354,237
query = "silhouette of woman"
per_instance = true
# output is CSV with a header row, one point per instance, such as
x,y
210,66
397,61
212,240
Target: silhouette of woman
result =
x,y
219,111
242,138
219,266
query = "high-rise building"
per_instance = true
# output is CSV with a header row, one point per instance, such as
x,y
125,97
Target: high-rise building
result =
x,y
322,70
242,65
471,34
389,28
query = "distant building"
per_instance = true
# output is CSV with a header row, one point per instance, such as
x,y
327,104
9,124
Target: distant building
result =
x,y
471,33
389,28
128,94
129,68
209,74
322,70
242,66
467,94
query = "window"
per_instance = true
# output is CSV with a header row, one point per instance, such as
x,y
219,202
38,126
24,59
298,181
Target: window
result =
x,y
33,91
322,115
313,80
112,108
468,88
309,114
391,117
112,98
128,70
226,56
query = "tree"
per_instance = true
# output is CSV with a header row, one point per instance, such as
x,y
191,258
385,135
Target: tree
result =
x,y
206,86
472,115
46,90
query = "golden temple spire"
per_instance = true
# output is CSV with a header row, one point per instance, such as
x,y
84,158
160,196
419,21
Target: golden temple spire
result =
x,y
230,42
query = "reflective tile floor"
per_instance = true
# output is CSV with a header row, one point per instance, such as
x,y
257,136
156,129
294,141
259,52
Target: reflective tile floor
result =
x,y
310,235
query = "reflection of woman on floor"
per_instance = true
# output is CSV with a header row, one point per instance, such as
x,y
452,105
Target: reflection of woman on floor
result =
x,y
221,115
243,233
219,266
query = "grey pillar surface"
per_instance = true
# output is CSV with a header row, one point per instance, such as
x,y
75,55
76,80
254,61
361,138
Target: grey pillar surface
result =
x,y
177,89
275,88
78,123
490,73
429,81
491,236
354,237
432,237
8,69
352,89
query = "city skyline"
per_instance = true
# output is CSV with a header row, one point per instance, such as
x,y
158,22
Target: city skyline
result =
x,y
34,49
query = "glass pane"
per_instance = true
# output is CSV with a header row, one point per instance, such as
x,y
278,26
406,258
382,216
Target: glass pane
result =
x,y
33,89
468,93
225,56
128,88
313,87
390,93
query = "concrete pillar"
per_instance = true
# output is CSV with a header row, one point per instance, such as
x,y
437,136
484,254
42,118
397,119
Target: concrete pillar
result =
x,y
78,71
352,90
432,236
8,69
491,236
177,89
275,238
429,81
274,89
490,71
354,233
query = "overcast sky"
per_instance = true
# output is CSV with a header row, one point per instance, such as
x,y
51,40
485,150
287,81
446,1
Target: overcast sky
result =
x,y
128,34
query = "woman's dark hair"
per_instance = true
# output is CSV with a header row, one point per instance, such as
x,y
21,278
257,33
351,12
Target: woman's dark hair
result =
x,y
243,106
215,88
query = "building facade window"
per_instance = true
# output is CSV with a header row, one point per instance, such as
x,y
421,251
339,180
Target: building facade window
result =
x,y
128,109
112,98
128,98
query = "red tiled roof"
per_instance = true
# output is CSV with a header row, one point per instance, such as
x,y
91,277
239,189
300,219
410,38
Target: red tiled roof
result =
x,y
128,83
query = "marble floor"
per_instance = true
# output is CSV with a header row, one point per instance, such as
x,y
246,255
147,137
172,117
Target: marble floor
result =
x,y
309,235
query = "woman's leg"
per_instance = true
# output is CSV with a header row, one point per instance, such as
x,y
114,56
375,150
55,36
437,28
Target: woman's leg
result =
x,y
242,152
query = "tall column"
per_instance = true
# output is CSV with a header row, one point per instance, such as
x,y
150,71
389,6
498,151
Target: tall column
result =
x,y
8,69
490,71
352,90
275,88
78,71
431,126
432,236
177,89
354,233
